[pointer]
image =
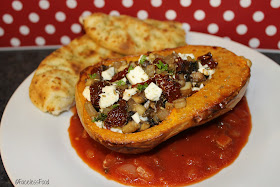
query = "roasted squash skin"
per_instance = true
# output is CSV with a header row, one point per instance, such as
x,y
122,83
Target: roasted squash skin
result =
x,y
219,95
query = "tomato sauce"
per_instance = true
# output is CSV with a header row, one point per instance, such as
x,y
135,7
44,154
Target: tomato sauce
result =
x,y
191,156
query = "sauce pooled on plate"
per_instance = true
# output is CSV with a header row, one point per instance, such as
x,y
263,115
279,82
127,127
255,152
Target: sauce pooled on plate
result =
x,y
191,156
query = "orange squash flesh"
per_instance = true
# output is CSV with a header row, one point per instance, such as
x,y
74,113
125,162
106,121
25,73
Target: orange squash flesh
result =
x,y
219,95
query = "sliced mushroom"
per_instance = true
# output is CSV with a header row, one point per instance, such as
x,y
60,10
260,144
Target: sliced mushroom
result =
x,y
198,77
90,109
162,113
130,127
186,90
180,103
150,70
139,98
144,126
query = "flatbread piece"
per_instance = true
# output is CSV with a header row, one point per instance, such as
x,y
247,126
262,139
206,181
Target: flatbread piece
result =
x,y
128,35
53,86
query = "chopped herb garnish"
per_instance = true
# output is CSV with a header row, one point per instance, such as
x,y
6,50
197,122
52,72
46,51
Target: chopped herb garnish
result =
x,y
121,83
142,59
171,72
130,68
115,106
161,66
92,76
100,117
142,87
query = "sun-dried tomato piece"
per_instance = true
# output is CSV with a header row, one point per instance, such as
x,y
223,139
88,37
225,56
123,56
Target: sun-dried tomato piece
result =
x,y
207,59
117,117
95,90
119,75
182,66
170,88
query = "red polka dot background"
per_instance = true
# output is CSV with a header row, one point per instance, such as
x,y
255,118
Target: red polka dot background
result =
x,y
51,22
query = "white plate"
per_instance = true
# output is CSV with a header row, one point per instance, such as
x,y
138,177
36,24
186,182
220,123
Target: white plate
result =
x,y
35,145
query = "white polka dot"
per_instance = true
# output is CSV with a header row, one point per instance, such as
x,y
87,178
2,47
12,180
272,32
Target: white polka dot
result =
x,y
275,3
1,31
215,3
213,28
186,27
86,13
40,40
99,3
50,29
156,3
127,3
278,45
228,15
24,30
33,17
199,15
114,13
185,3
245,3
60,16
17,5
241,29
227,38
15,42
71,4
44,4
270,30
8,19
170,14
258,16
142,14
254,42
65,40
76,28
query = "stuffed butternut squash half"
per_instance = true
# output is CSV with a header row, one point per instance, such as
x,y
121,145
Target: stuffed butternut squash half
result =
x,y
132,104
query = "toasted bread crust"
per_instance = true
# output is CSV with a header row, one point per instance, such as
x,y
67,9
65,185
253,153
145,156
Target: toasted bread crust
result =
x,y
219,95
128,35
52,88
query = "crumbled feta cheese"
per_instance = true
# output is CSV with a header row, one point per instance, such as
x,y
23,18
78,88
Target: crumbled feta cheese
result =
x,y
116,130
108,97
136,117
108,74
123,79
99,124
86,93
128,93
143,118
153,92
185,56
197,88
205,70
137,75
